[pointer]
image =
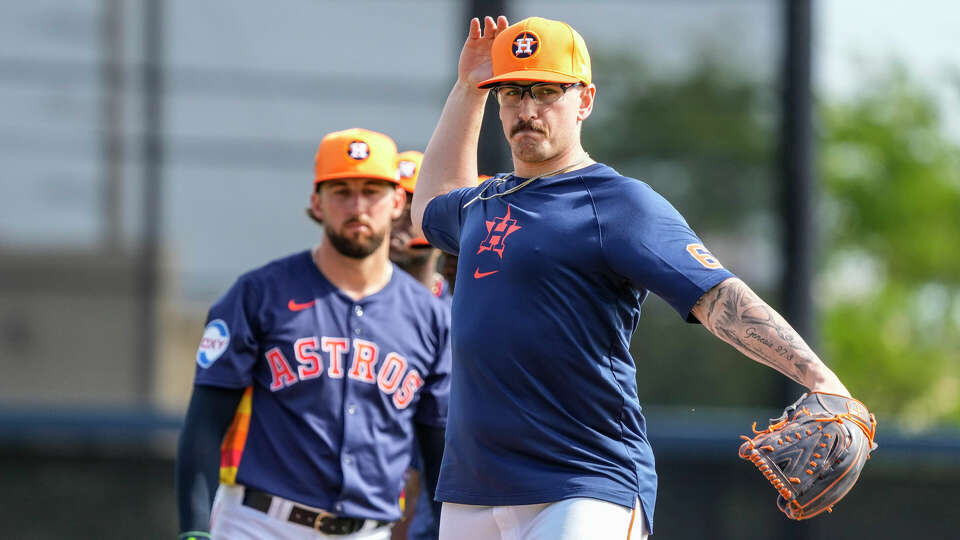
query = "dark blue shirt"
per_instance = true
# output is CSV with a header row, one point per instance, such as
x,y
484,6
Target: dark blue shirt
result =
x,y
337,383
551,278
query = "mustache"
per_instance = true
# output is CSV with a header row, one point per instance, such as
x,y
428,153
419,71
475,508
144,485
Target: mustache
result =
x,y
523,125
357,220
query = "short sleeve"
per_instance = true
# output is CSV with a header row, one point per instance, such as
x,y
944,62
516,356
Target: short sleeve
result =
x,y
442,220
435,394
229,348
647,241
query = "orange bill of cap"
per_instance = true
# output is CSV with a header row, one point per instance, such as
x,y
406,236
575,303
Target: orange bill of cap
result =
x,y
418,242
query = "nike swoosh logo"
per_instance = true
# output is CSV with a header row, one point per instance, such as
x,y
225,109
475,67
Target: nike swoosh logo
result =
x,y
293,306
477,274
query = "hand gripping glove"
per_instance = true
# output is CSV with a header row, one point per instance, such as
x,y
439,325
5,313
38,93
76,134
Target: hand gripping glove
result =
x,y
813,453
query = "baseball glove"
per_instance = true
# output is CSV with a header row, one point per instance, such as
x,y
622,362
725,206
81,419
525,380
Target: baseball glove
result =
x,y
813,454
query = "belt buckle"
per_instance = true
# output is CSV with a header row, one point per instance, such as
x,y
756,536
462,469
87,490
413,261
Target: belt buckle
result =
x,y
321,515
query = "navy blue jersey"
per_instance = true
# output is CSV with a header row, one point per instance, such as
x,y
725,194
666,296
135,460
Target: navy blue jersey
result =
x,y
336,383
549,287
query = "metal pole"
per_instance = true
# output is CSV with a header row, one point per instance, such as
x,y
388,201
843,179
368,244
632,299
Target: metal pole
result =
x,y
796,162
797,168
111,110
493,154
153,157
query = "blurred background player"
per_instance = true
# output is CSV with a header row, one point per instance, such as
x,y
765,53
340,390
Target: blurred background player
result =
x,y
411,252
324,365
438,272
436,269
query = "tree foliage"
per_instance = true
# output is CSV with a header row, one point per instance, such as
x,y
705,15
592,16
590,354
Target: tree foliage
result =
x,y
891,295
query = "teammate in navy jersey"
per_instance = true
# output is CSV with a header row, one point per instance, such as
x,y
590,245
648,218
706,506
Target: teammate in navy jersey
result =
x,y
316,372
545,438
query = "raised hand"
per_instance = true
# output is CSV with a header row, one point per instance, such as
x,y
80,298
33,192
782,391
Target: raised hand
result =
x,y
475,63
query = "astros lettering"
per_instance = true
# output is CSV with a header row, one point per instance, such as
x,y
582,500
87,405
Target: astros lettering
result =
x,y
365,355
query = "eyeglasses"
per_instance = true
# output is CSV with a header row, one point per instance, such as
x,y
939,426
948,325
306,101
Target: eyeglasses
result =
x,y
510,95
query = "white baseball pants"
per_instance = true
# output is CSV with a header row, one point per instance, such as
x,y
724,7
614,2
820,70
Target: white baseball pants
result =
x,y
571,519
231,520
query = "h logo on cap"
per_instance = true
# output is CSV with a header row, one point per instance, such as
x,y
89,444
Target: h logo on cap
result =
x,y
525,45
359,150
406,169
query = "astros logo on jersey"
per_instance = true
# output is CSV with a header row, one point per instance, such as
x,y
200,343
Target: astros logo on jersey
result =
x,y
358,150
525,45
497,232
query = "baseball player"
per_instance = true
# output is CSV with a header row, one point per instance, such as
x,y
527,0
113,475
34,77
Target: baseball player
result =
x,y
411,252
316,371
414,255
545,438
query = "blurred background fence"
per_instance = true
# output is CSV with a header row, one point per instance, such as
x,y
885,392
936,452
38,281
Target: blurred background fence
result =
x,y
154,150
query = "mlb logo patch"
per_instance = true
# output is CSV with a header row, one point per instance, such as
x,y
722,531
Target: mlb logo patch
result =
x,y
406,169
215,340
526,45
358,150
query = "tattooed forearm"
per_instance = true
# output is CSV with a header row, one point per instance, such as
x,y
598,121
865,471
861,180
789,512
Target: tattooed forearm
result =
x,y
735,314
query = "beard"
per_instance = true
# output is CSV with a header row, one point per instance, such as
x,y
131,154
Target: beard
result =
x,y
355,248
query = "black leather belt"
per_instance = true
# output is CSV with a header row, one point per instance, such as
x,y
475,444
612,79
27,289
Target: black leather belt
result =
x,y
321,521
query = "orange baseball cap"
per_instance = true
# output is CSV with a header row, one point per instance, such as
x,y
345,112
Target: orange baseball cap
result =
x,y
356,153
408,168
419,241
539,50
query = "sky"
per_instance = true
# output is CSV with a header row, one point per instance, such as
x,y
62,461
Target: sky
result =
x,y
852,35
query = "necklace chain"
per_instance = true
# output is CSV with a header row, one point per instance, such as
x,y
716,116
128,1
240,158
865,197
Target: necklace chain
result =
x,y
525,183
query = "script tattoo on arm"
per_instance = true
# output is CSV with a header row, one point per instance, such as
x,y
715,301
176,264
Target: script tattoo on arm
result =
x,y
735,314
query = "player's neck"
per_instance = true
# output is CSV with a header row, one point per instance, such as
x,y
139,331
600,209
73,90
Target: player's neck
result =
x,y
357,278
570,160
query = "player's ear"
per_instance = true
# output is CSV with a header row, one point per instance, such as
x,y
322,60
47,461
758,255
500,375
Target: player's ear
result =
x,y
587,96
315,207
399,201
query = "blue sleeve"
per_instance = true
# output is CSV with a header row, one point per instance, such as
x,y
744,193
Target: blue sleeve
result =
x,y
197,467
646,240
228,349
443,217
435,394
